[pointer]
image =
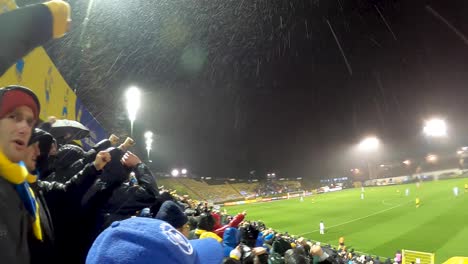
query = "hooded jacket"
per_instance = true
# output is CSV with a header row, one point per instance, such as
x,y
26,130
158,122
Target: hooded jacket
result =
x,y
230,240
206,223
71,159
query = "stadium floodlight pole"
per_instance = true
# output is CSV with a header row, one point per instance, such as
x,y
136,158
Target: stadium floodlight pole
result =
x,y
133,97
435,127
148,141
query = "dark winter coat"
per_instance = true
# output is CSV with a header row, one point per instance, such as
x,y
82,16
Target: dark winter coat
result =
x,y
59,207
126,200
109,201
15,224
71,159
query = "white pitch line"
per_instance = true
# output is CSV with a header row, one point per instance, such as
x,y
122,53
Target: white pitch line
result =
x,y
385,203
357,219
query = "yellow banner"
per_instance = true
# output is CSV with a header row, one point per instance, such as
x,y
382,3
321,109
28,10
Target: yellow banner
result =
x,y
39,74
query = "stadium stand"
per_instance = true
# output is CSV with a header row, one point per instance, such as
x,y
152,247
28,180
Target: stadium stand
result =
x,y
202,190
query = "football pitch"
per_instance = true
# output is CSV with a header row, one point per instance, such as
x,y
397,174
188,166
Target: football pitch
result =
x,y
385,221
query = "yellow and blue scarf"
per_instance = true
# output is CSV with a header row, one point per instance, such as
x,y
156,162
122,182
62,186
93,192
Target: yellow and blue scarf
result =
x,y
18,175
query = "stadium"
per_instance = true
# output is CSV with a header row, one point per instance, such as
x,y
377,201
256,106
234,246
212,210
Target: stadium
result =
x,y
233,132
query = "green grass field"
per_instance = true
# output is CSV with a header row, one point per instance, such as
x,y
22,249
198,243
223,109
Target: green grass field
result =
x,y
385,221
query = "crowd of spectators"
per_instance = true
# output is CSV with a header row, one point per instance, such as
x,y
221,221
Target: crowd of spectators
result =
x,y
276,187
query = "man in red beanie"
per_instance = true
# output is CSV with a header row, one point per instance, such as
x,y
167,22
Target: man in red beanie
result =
x,y
19,113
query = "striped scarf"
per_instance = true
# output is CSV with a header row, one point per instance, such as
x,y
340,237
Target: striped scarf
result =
x,y
18,175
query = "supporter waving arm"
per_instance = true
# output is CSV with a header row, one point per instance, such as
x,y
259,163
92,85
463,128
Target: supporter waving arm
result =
x,y
146,179
78,184
234,223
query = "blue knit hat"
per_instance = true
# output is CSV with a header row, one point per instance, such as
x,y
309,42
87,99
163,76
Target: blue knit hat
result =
x,y
142,240
269,236
172,213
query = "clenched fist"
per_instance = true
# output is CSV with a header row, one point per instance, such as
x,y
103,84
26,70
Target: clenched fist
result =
x,y
51,119
130,160
102,158
114,139
127,144
61,18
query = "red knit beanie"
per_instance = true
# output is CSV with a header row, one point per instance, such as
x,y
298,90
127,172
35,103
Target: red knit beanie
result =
x,y
12,97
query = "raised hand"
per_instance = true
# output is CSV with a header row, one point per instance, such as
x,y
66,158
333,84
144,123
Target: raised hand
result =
x,y
129,142
102,158
114,139
130,160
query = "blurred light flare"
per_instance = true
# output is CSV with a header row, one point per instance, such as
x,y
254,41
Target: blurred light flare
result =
x,y
148,134
148,142
369,144
432,158
435,127
133,97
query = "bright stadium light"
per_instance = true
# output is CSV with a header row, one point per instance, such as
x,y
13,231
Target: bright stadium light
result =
x,y
432,158
133,97
149,142
369,144
407,162
148,134
463,151
435,128
175,172
184,171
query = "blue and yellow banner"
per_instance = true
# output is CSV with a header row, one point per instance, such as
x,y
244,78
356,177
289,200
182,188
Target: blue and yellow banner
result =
x,y
37,72
87,119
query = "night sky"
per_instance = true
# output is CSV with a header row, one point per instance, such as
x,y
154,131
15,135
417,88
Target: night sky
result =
x,y
235,86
